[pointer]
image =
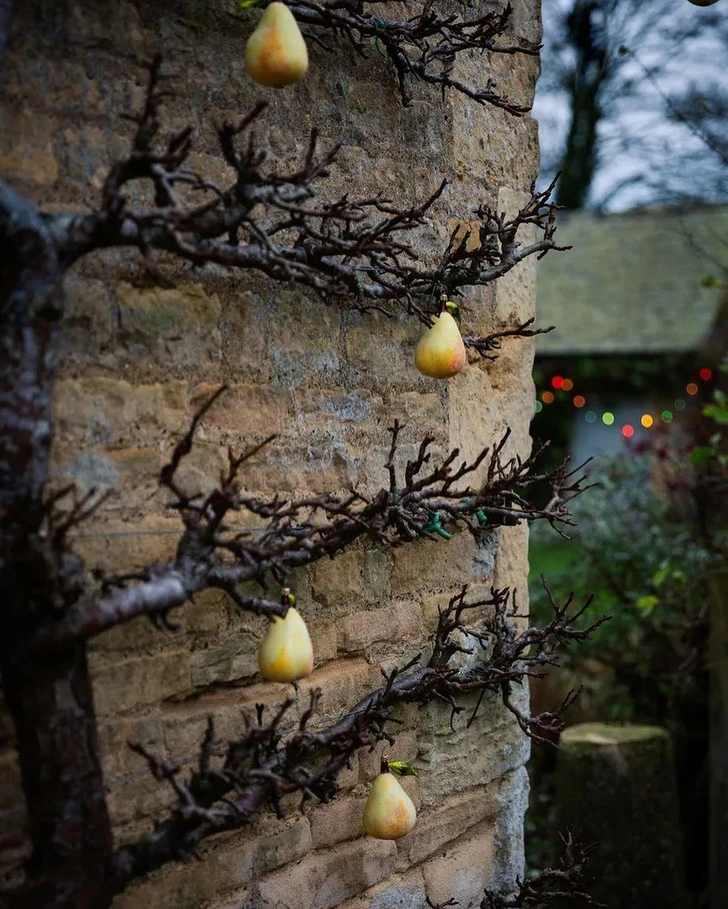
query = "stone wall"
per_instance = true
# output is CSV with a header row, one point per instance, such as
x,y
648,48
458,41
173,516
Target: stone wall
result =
x,y
139,359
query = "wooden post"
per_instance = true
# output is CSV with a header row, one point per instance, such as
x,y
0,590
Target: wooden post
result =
x,y
616,787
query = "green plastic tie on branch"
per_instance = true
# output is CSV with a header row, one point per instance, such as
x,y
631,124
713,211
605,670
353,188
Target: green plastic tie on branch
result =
x,y
434,526
377,42
479,514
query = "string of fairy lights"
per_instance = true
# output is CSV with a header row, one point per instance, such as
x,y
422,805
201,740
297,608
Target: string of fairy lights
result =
x,y
564,385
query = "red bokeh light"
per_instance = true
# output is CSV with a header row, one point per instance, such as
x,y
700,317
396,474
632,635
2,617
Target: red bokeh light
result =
x,y
557,382
627,431
706,374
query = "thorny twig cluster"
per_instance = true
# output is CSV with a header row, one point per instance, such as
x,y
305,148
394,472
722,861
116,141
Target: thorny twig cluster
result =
x,y
551,886
270,221
212,554
424,47
266,764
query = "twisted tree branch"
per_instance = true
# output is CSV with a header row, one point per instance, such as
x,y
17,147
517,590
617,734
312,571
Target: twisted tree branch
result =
x,y
350,250
211,554
425,47
264,765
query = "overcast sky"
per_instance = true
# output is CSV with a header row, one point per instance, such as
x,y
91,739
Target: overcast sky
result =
x,y
636,138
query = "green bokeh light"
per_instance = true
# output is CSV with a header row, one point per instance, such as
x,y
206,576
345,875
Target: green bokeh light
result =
x,y
607,418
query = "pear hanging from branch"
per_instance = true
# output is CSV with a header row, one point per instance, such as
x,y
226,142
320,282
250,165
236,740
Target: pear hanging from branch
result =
x,y
440,353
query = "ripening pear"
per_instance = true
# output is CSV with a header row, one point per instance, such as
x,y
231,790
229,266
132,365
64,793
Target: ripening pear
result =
x,y
389,812
286,654
440,353
275,54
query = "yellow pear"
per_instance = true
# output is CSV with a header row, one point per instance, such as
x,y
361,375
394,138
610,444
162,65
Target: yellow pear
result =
x,y
286,654
441,352
389,812
275,54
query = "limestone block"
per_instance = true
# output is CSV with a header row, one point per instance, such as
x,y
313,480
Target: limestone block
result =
x,y
435,565
336,822
463,870
453,761
130,683
400,891
397,624
446,822
228,863
26,150
338,583
103,411
343,684
325,879
243,412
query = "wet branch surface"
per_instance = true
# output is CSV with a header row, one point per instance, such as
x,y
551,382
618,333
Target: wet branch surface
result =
x,y
213,554
352,250
424,47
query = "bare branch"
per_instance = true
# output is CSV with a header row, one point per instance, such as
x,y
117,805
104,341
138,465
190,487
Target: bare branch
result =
x,y
299,532
354,251
264,765
424,47
552,886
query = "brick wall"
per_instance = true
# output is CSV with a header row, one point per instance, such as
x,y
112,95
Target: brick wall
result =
x,y
138,359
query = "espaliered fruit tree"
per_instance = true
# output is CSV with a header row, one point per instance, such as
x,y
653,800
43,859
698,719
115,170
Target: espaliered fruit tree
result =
x,y
351,253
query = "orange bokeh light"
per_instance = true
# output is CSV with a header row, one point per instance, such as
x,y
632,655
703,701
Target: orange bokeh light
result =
x,y
547,397
691,388
579,400
567,385
646,420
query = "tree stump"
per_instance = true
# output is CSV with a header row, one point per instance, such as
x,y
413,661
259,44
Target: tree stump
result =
x,y
616,787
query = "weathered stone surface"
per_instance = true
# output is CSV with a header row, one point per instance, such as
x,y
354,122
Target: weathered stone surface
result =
x,y
230,862
130,683
401,891
138,359
398,624
446,822
325,879
463,869
453,761
336,822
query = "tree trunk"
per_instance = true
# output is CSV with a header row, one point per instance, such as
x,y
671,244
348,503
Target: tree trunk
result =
x,y
719,743
616,786
52,708
580,157
50,698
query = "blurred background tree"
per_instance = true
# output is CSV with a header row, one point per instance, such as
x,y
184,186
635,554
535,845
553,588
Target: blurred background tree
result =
x,y
633,111
632,102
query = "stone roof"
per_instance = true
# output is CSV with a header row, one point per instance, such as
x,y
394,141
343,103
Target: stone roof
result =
x,y
632,282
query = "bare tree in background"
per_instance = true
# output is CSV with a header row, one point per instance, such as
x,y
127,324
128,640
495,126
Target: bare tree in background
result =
x,y
632,102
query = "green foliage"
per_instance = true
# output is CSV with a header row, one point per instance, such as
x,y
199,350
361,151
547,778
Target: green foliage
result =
x,y
649,570
714,453
402,768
